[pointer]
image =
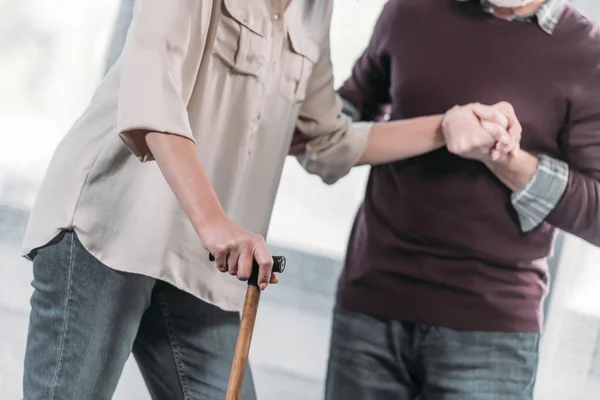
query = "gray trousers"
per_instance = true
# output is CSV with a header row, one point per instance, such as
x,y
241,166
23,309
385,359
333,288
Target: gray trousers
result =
x,y
86,319
375,359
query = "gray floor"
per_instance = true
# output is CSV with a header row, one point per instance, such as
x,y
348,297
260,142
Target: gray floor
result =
x,y
290,342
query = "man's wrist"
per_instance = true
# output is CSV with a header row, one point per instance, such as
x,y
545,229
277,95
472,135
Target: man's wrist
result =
x,y
515,171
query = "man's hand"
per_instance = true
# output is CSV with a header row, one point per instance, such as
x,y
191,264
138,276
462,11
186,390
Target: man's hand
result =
x,y
513,127
480,132
235,250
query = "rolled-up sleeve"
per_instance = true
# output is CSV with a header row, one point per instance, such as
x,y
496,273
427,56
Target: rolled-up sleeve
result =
x,y
333,155
162,53
337,144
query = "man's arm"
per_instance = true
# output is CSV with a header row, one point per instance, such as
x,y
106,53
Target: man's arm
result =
x,y
565,194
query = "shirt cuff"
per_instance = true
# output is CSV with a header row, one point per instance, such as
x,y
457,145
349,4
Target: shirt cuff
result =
x,y
331,157
535,201
350,111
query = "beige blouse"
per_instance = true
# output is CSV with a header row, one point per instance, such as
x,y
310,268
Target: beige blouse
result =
x,y
269,72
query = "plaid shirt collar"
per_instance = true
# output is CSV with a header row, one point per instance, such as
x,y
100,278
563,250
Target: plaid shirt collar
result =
x,y
546,16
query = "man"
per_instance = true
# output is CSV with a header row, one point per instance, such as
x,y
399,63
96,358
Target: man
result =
x,y
212,91
445,273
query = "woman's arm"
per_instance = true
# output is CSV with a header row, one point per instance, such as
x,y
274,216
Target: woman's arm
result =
x,y
162,55
234,248
179,163
474,131
477,135
397,140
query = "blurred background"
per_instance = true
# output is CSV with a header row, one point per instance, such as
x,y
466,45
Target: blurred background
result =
x,y
52,55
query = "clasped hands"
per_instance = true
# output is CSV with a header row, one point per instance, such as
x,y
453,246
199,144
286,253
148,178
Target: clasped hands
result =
x,y
483,133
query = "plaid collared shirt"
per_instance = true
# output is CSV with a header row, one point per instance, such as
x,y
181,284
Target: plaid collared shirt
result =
x,y
546,16
534,202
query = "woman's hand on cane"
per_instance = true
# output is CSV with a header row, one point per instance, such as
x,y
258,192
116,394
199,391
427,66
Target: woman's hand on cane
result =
x,y
235,249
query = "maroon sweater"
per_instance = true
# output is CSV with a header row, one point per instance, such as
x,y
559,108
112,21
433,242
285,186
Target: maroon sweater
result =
x,y
437,240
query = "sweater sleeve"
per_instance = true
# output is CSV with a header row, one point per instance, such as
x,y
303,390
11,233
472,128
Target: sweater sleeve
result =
x,y
367,88
578,211
160,60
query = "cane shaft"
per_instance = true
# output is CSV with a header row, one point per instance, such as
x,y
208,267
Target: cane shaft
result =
x,y
242,348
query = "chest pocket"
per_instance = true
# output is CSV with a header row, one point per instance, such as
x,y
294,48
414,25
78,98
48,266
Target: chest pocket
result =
x,y
299,59
241,41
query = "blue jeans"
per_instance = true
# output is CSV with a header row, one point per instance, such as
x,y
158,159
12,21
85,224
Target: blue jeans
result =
x,y
86,319
374,359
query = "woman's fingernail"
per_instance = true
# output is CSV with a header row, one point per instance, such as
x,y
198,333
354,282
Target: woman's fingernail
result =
x,y
263,286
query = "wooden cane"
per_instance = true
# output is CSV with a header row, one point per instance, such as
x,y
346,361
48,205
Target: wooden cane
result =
x,y
242,348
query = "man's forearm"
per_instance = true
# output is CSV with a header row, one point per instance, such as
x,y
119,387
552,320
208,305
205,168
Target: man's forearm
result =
x,y
538,185
515,171
398,140
178,160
